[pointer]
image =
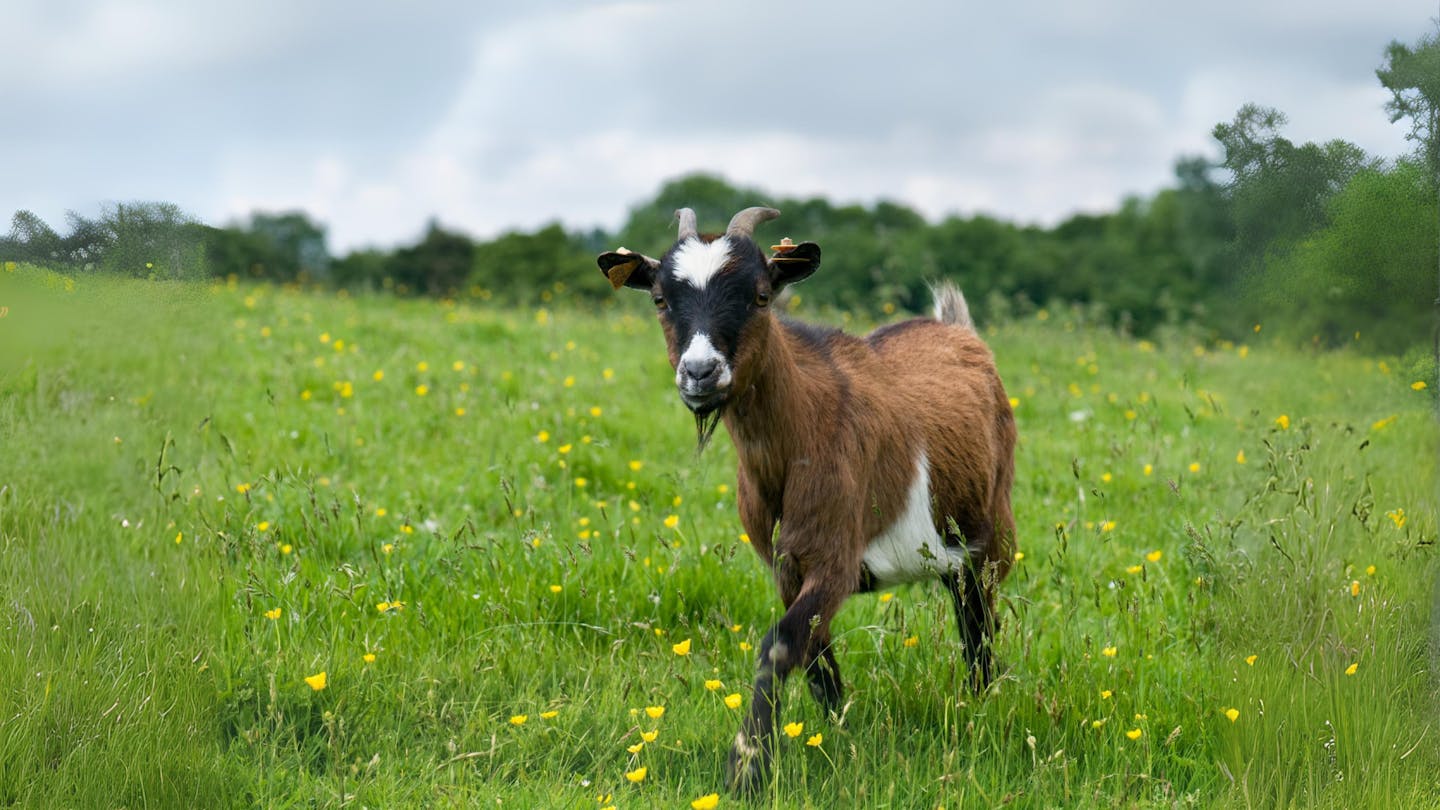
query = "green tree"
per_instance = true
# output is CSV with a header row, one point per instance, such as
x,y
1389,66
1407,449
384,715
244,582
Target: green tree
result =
x,y
439,264
531,267
1357,277
1278,191
1412,75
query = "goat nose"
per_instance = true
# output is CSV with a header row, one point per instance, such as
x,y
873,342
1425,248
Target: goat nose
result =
x,y
699,368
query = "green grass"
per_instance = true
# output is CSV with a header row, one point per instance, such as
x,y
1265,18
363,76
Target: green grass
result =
x,y
178,460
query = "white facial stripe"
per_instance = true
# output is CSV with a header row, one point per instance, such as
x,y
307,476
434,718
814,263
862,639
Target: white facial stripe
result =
x,y
910,549
696,262
700,350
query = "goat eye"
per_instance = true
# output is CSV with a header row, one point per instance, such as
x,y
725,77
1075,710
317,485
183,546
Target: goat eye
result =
x,y
762,299
659,301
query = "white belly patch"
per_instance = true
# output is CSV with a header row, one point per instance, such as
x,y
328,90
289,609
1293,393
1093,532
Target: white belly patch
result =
x,y
909,549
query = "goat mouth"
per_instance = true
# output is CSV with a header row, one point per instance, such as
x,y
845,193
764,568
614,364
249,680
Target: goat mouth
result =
x,y
703,404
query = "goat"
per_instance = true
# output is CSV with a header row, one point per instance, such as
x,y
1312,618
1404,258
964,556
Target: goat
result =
x,y
882,459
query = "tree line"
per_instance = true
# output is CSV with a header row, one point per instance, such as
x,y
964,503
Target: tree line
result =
x,y
1320,242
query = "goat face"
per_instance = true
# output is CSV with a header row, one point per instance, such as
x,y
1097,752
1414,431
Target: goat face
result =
x,y
712,294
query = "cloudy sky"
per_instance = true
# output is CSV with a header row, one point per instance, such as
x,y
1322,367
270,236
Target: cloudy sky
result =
x,y
375,117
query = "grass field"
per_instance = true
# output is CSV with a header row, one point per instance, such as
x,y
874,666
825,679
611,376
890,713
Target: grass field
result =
x,y
490,532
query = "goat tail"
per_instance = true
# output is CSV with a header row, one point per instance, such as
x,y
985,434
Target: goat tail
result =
x,y
950,306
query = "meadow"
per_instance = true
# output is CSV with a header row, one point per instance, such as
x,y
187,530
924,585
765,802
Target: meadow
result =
x,y
261,546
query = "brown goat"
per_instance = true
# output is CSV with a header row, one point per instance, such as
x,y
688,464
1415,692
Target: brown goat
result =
x,y
882,459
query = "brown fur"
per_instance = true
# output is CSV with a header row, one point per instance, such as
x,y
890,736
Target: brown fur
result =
x,y
828,433
818,431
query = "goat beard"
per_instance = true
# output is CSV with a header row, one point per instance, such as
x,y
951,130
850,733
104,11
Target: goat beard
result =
x,y
705,422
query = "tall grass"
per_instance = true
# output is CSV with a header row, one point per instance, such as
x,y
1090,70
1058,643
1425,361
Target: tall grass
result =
x,y
469,516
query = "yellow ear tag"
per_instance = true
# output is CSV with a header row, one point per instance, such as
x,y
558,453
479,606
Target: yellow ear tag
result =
x,y
620,273
786,246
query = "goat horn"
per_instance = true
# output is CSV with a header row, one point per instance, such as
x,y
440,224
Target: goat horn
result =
x,y
743,223
688,229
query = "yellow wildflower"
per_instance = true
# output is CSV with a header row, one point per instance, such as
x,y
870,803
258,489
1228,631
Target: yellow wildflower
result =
x,y
886,597
1250,659
1354,587
378,375
272,614
655,712
368,658
550,715
650,736
637,776
1155,555
1134,569
317,681
732,700
793,730
1397,517
556,589
1351,670
1232,714
595,410
815,740
713,685
1194,466
1240,457
518,719
543,436
1369,570
1105,694
286,548
422,390
672,521
263,526
1107,526
1418,385
1134,733
707,802
912,641
1283,421
636,748
1110,652
683,648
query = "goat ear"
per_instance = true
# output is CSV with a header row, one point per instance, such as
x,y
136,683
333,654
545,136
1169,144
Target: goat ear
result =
x,y
794,263
626,269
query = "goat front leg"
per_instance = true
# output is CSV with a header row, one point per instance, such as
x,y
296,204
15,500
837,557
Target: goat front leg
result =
x,y
785,647
823,672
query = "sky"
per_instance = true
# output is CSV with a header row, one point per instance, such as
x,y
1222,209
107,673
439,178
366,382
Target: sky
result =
x,y
376,118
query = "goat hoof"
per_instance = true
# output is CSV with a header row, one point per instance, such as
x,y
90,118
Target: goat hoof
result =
x,y
748,768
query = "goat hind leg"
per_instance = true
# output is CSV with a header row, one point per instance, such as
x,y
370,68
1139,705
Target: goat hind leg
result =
x,y
975,616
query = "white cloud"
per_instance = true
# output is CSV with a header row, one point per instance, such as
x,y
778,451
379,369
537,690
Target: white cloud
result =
x,y
579,111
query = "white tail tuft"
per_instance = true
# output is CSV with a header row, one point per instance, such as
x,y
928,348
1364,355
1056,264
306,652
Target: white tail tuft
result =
x,y
950,306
